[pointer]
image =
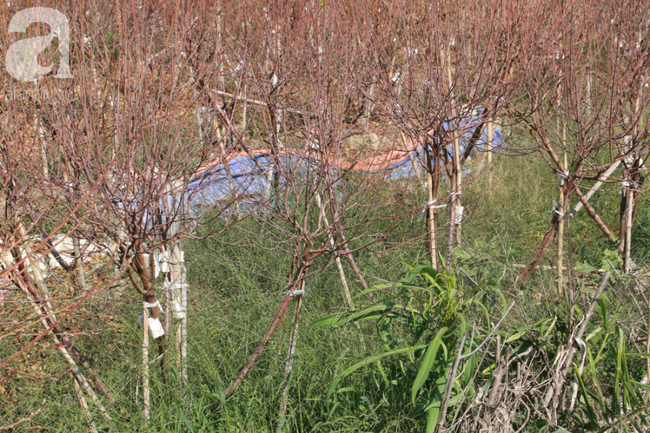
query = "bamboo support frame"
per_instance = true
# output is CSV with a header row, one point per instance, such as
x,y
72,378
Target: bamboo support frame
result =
x,y
41,312
84,405
337,259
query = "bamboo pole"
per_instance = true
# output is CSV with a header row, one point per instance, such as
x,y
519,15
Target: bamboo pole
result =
x,y
84,405
292,350
257,102
368,105
184,320
244,113
628,226
433,166
595,188
78,263
431,220
41,136
490,132
167,285
458,206
49,311
455,208
629,218
337,259
561,211
179,285
59,345
145,364
175,280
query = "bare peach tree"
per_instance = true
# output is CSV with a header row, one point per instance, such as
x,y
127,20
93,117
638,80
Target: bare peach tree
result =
x,y
585,105
111,158
442,80
319,197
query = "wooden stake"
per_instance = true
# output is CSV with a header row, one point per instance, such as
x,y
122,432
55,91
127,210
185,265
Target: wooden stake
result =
x,y
457,172
179,338
561,210
184,321
78,264
457,175
145,364
84,405
629,218
337,259
291,352
243,121
431,220
59,345
41,135
628,226
490,131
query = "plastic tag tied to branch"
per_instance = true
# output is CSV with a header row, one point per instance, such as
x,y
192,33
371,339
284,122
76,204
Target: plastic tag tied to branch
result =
x,y
458,213
155,327
562,177
555,209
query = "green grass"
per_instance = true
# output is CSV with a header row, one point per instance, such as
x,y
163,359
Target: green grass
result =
x,y
235,292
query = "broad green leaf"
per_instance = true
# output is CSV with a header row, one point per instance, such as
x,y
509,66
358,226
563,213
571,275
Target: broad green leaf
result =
x,y
188,423
638,354
516,336
427,363
376,288
432,419
370,360
327,321
616,401
472,363
389,286
585,268
594,333
550,328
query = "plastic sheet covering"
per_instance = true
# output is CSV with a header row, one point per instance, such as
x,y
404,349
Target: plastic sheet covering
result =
x,y
245,176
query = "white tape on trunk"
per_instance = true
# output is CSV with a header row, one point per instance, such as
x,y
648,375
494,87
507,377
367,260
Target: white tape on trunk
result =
x,y
169,286
150,305
177,309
